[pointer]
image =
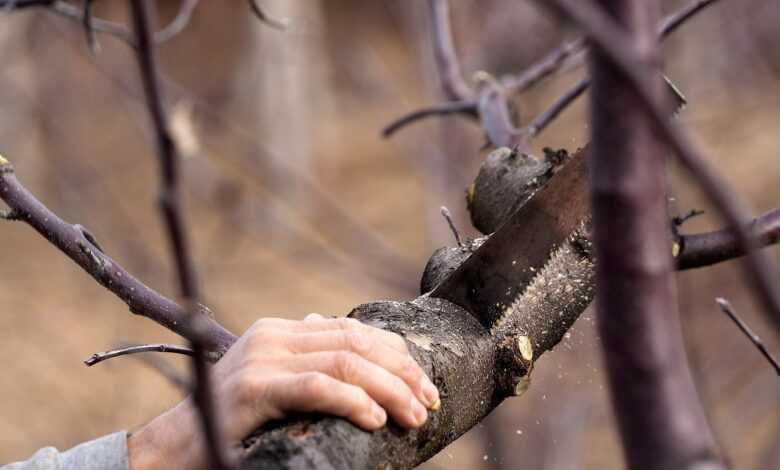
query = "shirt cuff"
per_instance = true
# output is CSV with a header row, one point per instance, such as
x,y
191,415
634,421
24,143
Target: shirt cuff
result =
x,y
105,453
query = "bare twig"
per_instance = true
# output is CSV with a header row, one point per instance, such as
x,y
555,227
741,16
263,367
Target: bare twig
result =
x,y
467,108
541,121
170,205
553,61
70,239
127,350
280,24
448,217
726,307
451,79
705,249
166,370
679,220
177,25
612,41
93,25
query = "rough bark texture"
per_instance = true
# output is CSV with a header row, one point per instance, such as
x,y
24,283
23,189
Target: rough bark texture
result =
x,y
474,367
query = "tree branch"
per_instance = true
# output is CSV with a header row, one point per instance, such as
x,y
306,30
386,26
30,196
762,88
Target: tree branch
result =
x,y
612,41
706,249
70,239
725,306
661,421
170,206
451,79
468,108
127,350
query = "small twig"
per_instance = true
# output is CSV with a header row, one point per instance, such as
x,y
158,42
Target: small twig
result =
x,y
127,350
280,24
679,220
542,120
468,108
166,370
552,62
453,85
448,217
612,42
726,307
177,25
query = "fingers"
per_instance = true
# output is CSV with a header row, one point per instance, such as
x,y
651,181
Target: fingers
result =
x,y
317,392
315,322
400,364
385,388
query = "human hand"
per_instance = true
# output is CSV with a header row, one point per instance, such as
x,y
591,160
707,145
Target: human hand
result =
x,y
335,366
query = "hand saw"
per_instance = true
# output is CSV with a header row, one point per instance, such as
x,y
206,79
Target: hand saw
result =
x,y
490,279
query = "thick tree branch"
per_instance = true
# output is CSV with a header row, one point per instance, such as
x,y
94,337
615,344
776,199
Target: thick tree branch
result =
x,y
661,420
614,44
173,217
726,307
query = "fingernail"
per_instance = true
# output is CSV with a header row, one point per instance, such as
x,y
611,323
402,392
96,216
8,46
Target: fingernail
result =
x,y
418,410
313,316
379,414
430,392
436,406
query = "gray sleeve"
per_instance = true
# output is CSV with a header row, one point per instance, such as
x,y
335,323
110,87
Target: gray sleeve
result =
x,y
105,453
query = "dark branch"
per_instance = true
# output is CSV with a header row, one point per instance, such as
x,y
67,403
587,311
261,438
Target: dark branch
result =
x,y
468,108
706,249
127,350
541,121
725,306
660,418
280,24
451,79
612,41
170,206
553,61
177,25
70,239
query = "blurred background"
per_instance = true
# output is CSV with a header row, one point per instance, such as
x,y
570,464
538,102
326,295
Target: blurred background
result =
x,y
298,205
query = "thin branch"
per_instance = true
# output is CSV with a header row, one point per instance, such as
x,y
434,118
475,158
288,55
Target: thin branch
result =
x,y
726,307
679,220
451,79
541,121
468,108
553,61
614,43
71,240
448,217
127,350
280,24
706,249
177,25
89,31
166,370
170,205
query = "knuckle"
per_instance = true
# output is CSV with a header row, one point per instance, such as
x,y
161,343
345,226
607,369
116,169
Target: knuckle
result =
x,y
396,340
314,384
250,388
349,324
410,369
357,341
347,364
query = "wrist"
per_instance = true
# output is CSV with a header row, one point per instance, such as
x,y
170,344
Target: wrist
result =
x,y
168,441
